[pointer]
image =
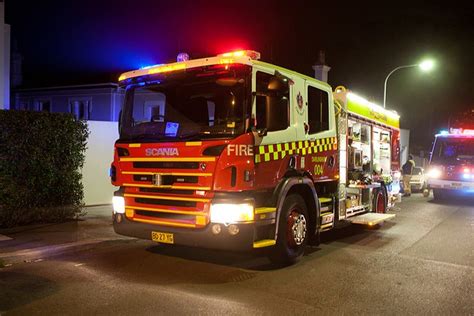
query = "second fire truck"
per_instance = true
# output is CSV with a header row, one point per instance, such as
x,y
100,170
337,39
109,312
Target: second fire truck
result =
x,y
230,152
451,168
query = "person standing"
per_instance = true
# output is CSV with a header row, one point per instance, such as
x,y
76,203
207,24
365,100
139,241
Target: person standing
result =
x,y
407,170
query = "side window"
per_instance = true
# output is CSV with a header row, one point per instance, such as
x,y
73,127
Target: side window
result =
x,y
318,110
272,102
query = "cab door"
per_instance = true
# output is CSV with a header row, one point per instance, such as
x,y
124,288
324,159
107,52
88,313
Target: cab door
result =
x,y
320,129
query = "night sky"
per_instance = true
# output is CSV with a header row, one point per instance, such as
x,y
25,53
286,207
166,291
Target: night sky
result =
x,y
77,42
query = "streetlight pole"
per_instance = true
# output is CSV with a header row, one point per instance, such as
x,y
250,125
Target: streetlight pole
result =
x,y
425,65
388,76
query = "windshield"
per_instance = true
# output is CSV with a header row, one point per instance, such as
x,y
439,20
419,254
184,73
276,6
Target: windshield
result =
x,y
200,103
453,150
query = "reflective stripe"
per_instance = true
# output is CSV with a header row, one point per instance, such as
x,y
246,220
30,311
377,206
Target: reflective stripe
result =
x,y
162,210
274,152
168,159
161,197
262,210
264,243
168,173
164,223
173,187
324,200
193,143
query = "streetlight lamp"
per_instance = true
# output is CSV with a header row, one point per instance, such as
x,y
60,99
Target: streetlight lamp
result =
x,y
425,66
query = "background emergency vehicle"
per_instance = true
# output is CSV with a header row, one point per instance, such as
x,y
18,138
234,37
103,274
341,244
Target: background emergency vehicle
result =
x,y
452,159
233,153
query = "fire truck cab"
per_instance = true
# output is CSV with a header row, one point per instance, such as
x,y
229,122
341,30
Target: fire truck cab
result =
x,y
233,153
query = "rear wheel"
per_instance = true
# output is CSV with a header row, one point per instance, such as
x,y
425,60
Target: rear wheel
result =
x,y
293,231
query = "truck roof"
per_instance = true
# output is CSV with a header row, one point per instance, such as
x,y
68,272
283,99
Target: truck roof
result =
x,y
247,57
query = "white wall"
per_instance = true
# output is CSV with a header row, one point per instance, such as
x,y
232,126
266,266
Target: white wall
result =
x,y
404,145
4,60
99,155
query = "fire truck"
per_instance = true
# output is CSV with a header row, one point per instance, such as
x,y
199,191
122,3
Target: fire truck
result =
x,y
451,167
230,152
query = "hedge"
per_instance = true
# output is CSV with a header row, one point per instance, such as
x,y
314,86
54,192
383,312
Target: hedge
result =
x,y
41,155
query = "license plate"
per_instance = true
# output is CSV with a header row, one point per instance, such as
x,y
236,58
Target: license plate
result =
x,y
456,184
165,238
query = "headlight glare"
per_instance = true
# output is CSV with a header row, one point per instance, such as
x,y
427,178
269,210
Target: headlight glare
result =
x,y
227,213
434,173
118,203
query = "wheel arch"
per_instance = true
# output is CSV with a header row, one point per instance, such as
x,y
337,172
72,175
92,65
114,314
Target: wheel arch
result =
x,y
305,188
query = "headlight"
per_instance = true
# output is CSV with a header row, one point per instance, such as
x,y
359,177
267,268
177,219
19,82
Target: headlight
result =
x,y
119,204
226,213
434,173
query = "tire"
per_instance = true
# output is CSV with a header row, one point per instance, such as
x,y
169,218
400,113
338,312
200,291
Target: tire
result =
x,y
379,204
293,231
438,195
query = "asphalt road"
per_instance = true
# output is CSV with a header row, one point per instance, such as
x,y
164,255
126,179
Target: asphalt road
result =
x,y
421,262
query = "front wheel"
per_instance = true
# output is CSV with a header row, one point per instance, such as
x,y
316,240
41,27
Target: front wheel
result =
x,y
439,194
293,231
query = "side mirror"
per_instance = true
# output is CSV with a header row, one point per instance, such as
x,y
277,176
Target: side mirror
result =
x,y
262,132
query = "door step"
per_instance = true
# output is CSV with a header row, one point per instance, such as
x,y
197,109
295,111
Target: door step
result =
x,y
370,219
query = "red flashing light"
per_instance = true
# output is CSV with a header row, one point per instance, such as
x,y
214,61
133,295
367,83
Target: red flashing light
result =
x,y
241,53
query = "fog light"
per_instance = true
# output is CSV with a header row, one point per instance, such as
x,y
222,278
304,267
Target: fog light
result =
x,y
118,218
233,229
118,204
216,229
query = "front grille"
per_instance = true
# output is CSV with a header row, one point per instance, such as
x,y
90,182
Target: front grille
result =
x,y
165,215
165,202
167,191
167,180
166,165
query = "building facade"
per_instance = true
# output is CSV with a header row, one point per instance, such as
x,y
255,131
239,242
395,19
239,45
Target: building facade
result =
x,y
97,102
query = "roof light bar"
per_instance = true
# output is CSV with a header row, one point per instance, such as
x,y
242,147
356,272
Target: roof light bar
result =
x,y
241,53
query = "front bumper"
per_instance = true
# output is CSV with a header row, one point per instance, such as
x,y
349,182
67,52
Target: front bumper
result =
x,y
203,237
451,185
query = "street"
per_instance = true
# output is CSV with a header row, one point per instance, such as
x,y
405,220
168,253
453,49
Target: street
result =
x,y
421,262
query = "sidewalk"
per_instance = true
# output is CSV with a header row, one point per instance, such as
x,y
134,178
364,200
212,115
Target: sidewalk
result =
x,y
36,242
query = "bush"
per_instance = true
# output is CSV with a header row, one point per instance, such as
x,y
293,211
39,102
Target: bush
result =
x,y
40,159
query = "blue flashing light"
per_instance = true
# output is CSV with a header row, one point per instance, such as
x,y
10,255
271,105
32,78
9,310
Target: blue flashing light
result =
x,y
466,176
151,66
444,132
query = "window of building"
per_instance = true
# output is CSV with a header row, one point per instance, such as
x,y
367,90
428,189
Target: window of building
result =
x,y
318,110
23,105
272,102
43,105
80,108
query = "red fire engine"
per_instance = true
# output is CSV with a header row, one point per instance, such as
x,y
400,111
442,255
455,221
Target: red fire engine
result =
x,y
452,159
233,153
